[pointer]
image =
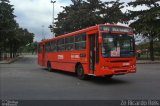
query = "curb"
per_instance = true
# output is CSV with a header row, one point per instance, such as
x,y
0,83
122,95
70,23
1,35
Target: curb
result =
x,y
11,60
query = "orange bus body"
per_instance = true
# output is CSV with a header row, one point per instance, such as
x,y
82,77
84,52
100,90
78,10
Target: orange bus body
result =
x,y
90,57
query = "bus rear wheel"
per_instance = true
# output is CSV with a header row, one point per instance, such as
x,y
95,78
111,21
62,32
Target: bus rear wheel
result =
x,y
49,67
80,72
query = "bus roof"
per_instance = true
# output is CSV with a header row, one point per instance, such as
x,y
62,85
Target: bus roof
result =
x,y
80,31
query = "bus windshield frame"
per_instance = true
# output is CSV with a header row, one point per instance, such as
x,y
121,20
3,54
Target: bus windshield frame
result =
x,y
117,45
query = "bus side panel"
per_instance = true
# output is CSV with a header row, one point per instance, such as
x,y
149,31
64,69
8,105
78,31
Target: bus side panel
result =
x,y
66,60
63,66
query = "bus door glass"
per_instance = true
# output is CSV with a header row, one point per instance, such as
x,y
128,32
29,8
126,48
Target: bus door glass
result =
x,y
93,51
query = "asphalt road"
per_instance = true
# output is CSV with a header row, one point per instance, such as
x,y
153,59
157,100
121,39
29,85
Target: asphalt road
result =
x,y
25,80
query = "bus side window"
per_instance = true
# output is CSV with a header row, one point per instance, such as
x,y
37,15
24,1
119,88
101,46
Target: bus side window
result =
x,y
80,41
69,43
54,46
48,46
60,45
39,49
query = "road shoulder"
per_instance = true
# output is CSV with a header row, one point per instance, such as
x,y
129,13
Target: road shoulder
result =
x,y
148,62
10,60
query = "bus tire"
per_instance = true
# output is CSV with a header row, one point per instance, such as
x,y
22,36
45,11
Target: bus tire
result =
x,y
49,67
80,72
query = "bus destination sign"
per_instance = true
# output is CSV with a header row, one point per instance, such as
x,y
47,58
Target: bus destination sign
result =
x,y
115,29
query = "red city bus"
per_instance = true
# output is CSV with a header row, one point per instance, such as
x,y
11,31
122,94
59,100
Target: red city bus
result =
x,y
101,50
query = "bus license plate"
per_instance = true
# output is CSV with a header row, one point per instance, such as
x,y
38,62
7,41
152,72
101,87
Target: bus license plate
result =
x,y
126,64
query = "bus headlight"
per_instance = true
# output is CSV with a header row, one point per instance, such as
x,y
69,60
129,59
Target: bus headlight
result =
x,y
105,67
133,66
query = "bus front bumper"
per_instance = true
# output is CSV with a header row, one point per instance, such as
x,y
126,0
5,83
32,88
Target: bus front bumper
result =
x,y
115,71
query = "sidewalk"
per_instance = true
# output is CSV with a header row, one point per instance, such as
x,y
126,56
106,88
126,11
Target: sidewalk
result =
x,y
10,60
148,62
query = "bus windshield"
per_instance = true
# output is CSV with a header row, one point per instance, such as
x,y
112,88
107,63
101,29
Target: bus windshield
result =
x,y
117,45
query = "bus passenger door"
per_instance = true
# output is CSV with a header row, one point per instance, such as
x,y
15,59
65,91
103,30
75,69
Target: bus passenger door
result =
x,y
43,55
93,50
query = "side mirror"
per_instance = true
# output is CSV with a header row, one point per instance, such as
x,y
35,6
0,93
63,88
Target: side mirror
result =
x,y
100,39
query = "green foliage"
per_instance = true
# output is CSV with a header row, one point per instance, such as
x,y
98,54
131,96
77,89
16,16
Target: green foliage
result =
x,y
12,37
146,22
84,13
30,48
144,47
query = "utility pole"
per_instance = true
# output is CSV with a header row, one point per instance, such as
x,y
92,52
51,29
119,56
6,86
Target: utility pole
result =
x,y
43,36
53,18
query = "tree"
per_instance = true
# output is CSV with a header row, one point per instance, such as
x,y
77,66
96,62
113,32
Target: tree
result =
x,y
71,18
146,22
7,23
31,48
84,13
112,12
22,38
12,37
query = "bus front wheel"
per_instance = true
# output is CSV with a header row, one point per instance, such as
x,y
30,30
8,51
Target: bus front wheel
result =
x,y
80,72
49,67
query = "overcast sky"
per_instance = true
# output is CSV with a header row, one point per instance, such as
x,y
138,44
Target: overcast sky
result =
x,y
33,14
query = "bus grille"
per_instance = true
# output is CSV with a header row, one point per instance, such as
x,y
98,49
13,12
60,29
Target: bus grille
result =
x,y
120,66
120,71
